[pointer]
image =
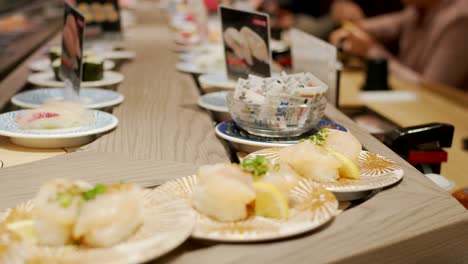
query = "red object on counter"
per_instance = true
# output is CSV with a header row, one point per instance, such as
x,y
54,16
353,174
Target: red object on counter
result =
x,y
415,157
462,196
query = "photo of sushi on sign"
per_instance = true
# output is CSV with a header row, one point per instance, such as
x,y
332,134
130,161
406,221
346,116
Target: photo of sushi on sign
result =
x,y
246,43
71,58
101,15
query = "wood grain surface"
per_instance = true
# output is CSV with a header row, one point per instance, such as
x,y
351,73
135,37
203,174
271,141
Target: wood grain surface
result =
x,y
159,118
432,104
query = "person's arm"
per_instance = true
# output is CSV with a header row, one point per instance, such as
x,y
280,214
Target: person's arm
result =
x,y
385,28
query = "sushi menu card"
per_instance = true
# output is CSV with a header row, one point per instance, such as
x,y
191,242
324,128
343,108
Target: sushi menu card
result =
x,y
101,15
311,54
72,52
246,37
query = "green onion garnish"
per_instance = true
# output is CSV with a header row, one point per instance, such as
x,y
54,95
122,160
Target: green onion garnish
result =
x,y
258,166
320,138
64,199
91,194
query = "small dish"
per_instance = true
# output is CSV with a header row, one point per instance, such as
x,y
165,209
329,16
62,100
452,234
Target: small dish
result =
x,y
91,98
189,67
44,64
313,207
167,223
47,79
277,119
376,172
55,138
248,143
217,80
215,102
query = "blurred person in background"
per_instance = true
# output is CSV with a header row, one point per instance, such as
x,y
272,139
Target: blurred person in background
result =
x,y
321,17
431,36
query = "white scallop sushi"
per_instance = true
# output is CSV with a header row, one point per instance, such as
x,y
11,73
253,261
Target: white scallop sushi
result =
x,y
223,192
343,142
56,208
110,215
311,161
54,115
282,176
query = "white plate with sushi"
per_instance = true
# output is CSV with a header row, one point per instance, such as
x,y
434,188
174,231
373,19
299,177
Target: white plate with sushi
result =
x,y
76,222
233,207
376,172
55,125
336,160
91,98
219,80
190,67
44,64
47,79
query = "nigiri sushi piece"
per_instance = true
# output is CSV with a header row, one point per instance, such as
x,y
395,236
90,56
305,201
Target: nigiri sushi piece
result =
x,y
340,141
279,174
53,115
223,192
57,206
311,161
282,176
110,214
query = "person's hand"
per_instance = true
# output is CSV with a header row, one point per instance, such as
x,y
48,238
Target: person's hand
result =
x,y
71,40
346,10
285,20
353,40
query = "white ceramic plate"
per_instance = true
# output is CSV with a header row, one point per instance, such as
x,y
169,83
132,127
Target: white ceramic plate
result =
x,y
214,102
313,206
43,64
376,172
55,138
189,67
91,98
168,222
218,80
118,54
47,79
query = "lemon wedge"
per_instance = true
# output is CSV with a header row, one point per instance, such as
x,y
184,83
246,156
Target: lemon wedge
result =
x,y
24,229
270,202
348,169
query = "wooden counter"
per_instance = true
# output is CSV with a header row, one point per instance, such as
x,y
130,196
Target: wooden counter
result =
x,y
162,135
433,103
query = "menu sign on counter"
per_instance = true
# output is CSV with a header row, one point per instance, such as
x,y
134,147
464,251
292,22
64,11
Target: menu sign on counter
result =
x,y
246,38
101,15
71,60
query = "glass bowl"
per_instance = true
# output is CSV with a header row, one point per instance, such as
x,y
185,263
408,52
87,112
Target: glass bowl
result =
x,y
269,120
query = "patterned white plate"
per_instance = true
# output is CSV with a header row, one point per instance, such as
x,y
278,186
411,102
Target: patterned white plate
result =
x,y
55,138
313,206
376,172
189,67
91,98
168,222
219,80
44,65
47,79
